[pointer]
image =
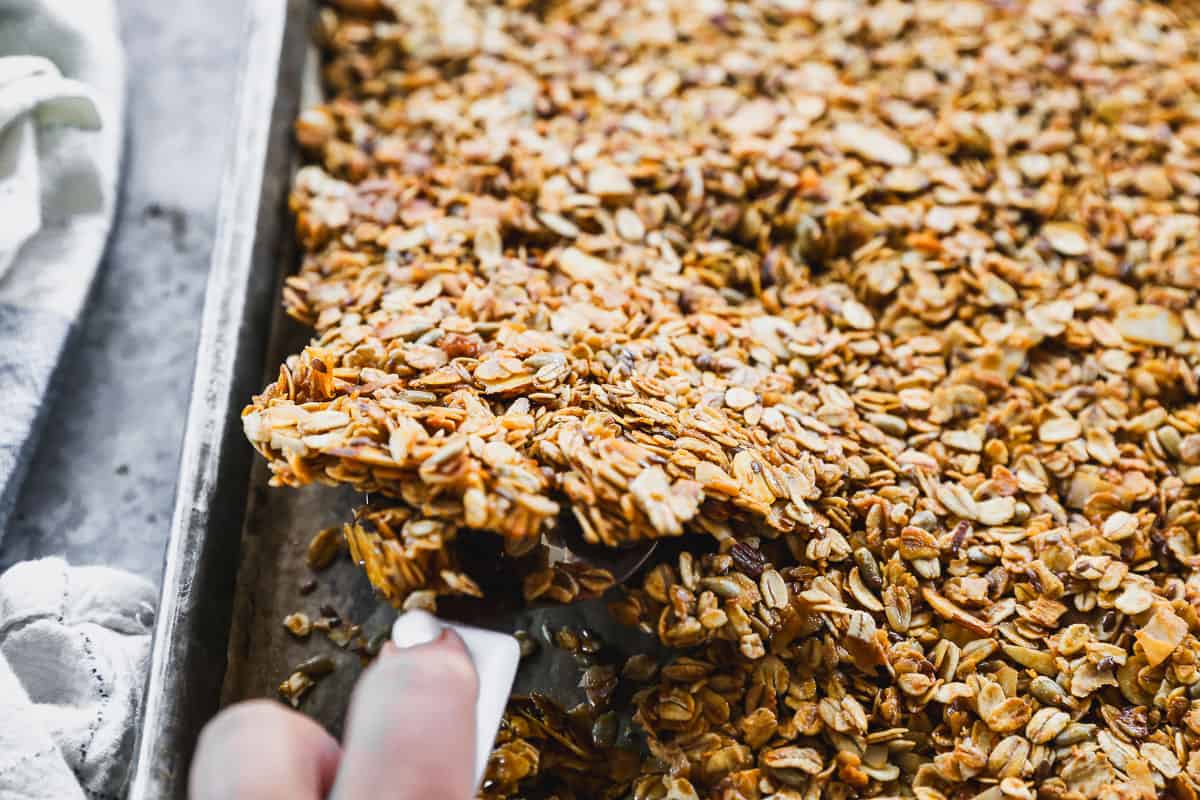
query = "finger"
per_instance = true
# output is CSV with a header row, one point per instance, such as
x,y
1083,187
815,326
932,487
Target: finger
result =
x,y
411,728
260,750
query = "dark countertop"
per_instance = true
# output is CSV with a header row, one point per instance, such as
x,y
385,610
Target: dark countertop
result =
x,y
101,484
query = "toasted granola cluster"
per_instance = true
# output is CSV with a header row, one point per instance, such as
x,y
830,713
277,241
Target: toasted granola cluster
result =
x,y
890,310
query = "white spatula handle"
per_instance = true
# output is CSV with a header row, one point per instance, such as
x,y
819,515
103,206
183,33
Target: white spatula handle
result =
x,y
495,656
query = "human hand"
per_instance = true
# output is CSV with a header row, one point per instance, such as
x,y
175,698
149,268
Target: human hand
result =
x,y
410,735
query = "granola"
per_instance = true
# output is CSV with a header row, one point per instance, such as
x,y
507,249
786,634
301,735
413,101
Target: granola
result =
x,y
887,314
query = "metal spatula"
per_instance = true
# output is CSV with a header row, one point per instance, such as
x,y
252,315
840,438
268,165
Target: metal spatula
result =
x,y
566,545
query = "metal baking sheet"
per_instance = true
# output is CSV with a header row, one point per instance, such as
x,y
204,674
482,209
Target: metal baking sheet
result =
x,y
191,635
235,558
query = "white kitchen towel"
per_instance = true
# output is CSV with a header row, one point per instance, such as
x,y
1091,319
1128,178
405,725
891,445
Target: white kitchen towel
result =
x,y
62,84
36,103
74,646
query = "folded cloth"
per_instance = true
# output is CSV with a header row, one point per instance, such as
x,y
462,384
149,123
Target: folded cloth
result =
x,y
62,83
74,648
34,94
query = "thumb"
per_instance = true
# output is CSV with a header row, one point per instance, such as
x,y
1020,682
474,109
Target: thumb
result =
x,y
411,728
